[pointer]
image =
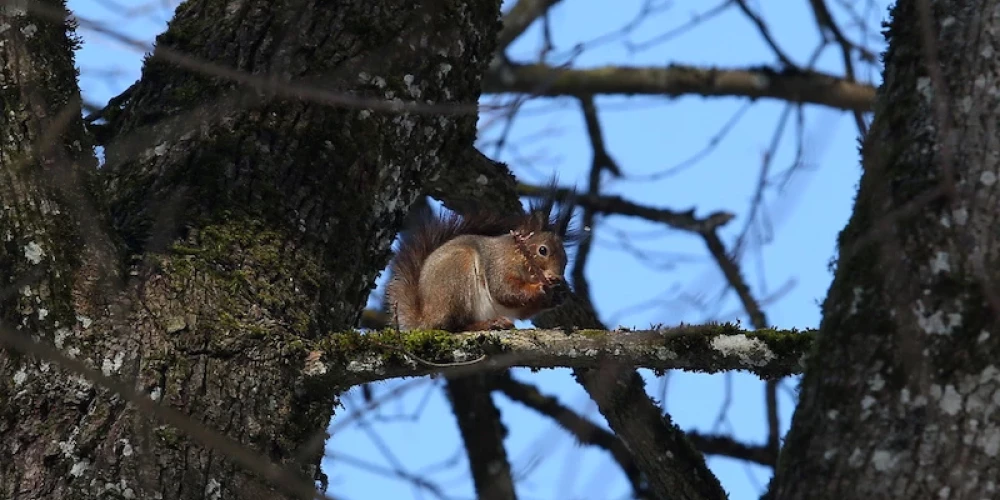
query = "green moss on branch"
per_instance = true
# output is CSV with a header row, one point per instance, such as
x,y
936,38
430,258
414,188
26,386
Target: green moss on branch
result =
x,y
353,357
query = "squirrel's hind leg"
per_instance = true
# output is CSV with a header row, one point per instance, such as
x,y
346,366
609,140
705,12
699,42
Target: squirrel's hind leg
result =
x,y
454,291
446,287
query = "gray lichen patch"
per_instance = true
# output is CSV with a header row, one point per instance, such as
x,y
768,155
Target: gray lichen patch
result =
x,y
33,252
751,351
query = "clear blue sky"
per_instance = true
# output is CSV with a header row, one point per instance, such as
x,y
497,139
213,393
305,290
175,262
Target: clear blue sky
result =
x,y
676,277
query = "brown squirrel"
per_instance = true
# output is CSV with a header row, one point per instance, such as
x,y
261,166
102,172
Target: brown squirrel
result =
x,y
480,271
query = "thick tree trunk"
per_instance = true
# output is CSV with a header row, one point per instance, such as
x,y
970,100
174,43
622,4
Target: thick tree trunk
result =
x,y
261,219
901,394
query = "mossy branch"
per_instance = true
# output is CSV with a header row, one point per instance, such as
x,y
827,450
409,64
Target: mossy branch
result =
x,y
351,358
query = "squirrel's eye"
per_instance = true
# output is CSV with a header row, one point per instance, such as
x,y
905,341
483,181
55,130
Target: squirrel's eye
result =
x,y
543,250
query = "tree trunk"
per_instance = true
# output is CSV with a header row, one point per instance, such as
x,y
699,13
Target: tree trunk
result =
x,y
253,216
900,397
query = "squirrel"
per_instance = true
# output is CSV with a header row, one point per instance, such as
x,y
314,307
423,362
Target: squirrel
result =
x,y
479,271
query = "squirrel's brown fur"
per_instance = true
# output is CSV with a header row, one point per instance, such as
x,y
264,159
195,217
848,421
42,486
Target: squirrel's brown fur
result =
x,y
479,271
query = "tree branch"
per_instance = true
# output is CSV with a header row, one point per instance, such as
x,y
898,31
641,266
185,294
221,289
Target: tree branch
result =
x,y
734,275
616,205
483,434
351,358
654,439
601,161
729,447
476,182
677,80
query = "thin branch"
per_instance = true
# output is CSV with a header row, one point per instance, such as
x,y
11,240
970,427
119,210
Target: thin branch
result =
x,y
765,32
676,80
581,428
417,480
696,20
587,432
729,447
601,161
616,205
826,24
703,153
734,275
519,18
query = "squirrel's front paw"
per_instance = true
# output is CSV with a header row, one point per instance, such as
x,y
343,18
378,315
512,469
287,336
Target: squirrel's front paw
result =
x,y
557,291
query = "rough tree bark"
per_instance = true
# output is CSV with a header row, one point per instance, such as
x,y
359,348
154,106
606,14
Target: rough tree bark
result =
x,y
901,395
244,221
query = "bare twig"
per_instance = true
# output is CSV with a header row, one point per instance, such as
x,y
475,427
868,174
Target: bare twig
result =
x,y
826,24
519,18
765,32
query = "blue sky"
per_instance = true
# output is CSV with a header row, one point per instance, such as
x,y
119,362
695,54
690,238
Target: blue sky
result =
x,y
674,281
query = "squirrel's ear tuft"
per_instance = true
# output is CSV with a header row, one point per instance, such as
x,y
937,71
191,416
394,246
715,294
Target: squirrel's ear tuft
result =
x,y
548,217
562,222
568,229
540,209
